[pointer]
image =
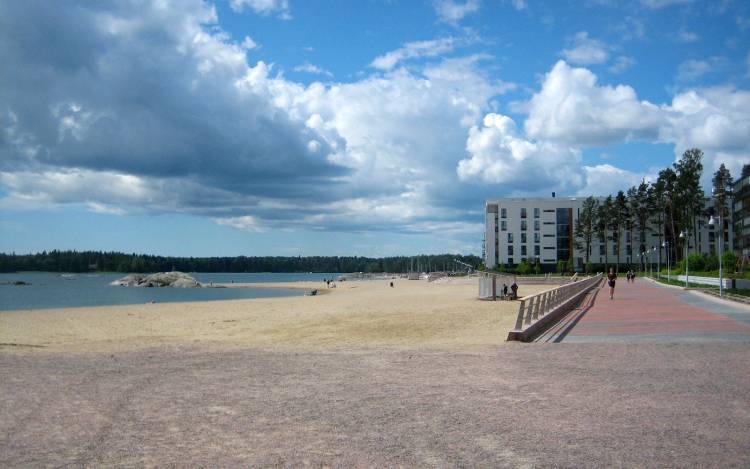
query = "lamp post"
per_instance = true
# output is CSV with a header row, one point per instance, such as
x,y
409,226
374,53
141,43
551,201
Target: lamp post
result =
x,y
653,250
685,234
712,221
665,245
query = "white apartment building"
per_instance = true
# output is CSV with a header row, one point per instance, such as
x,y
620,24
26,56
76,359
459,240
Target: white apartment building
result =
x,y
541,229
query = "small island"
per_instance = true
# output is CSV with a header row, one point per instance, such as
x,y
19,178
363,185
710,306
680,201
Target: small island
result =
x,y
159,279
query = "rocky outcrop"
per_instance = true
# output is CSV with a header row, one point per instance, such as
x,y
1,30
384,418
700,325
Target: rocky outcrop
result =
x,y
161,279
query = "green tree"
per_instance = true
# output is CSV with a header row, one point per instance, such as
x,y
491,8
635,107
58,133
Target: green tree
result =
x,y
603,216
688,190
585,226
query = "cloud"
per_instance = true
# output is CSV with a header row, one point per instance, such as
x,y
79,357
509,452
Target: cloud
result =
x,y
245,223
687,37
414,50
264,7
605,179
622,63
571,107
499,155
307,67
452,11
519,4
657,4
585,50
716,120
185,124
691,70
249,44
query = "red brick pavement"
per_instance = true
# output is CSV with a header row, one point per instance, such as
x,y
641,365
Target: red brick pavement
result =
x,y
642,310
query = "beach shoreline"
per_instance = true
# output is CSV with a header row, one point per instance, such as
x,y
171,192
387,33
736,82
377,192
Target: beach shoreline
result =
x,y
362,314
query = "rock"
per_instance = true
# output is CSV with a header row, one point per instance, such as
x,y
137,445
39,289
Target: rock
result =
x,y
17,283
158,280
129,280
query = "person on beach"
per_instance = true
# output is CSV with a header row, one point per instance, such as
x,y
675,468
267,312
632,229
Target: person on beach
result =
x,y
611,278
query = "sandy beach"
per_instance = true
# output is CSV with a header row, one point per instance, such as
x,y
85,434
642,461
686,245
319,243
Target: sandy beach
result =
x,y
366,314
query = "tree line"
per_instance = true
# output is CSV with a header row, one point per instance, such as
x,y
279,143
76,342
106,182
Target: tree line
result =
x,y
673,204
98,261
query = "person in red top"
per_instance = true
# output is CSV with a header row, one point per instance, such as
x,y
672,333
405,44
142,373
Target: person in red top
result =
x,y
611,278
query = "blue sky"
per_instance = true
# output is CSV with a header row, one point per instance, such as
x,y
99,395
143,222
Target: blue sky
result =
x,y
372,127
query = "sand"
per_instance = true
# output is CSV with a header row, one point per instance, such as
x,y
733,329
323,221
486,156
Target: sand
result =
x,y
361,314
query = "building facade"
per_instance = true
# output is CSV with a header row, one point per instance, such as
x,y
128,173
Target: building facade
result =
x,y
542,230
741,215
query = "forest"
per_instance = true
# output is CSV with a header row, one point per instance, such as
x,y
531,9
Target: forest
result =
x,y
97,261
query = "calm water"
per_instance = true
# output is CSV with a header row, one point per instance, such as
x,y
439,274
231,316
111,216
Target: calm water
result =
x,y
51,290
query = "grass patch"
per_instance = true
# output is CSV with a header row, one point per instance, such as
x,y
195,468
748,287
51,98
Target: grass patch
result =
x,y
734,291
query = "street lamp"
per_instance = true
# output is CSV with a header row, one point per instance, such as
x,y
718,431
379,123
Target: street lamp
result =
x,y
653,250
684,234
665,245
712,222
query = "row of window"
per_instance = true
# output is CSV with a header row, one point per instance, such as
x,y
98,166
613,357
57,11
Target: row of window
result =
x,y
524,226
504,213
523,250
537,237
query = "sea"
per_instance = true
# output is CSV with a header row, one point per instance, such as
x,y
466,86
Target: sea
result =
x,y
56,290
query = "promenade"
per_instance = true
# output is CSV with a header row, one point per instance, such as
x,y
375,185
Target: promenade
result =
x,y
645,311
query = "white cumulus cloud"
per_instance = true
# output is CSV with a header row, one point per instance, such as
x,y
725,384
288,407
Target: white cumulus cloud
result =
x,y
572,107
499,155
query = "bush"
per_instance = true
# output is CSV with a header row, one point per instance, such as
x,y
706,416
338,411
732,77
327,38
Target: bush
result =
x,y
711,262
588,267
523,268
561,266
537,268
729,261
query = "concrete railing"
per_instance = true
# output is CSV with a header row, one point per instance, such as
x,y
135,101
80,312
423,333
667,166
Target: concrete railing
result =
x,y
713,281
537,311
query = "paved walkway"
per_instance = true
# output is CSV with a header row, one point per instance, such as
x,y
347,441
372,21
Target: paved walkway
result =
x,y
646,311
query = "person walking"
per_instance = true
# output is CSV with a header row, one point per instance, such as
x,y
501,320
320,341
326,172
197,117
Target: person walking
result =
x,y
611,278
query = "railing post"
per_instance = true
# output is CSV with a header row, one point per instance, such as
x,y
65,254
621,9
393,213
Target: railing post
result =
x,y
519,319
536,307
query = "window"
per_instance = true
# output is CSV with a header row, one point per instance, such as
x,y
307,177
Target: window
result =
x,y
536,225
614,249
523,250
627,236
536,250
504,225
536,212
510,252
510,237
536,237
523,225
629,250
711,236
503,213
523,213
523,237
601,249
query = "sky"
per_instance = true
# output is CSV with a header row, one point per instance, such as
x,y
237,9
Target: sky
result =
x,y
368,127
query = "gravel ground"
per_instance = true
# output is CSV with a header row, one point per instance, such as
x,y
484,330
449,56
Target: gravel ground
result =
x,y
540,405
